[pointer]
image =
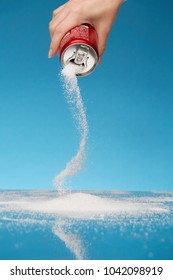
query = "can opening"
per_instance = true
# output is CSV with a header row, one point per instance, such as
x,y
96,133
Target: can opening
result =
x,y
79,57
82,56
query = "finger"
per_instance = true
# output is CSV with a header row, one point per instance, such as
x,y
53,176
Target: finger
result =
x,y
56,21
58,10
102,38
59,33
58,17
100,60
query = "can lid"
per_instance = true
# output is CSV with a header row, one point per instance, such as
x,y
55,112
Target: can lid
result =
x,y
83,56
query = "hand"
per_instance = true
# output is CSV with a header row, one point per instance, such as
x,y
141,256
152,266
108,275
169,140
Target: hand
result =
x,y
98,13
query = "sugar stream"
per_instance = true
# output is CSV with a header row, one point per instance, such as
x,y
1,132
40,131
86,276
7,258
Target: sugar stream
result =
x,y
73,96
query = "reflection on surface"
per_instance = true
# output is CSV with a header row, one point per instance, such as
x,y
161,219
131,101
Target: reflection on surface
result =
x,y
83,221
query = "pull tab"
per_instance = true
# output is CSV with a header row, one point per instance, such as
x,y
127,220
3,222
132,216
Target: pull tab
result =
x,y
79,57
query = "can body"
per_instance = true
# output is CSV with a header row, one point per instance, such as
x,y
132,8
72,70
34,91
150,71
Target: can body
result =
x,y
79,46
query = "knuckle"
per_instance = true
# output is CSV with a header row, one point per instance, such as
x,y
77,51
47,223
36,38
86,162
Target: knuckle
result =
x,y
77,10
50,26
57,29
54,13
56,34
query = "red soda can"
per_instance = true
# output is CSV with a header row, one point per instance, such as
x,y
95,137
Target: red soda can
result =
x,y
79,47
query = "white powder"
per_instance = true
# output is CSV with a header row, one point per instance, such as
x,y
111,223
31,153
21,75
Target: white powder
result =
x,y
73,96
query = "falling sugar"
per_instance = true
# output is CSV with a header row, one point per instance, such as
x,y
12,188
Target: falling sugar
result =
x,y
73,96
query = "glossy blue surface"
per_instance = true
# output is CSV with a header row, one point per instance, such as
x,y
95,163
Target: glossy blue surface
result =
x,y
138,225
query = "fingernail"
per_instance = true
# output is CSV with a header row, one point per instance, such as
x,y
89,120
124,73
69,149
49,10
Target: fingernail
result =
x,y
50,53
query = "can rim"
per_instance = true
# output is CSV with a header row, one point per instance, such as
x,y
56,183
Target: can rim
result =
x,y
82,42
79,41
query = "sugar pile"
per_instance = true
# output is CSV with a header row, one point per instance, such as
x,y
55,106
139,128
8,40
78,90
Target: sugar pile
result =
x,y
72,216
73,96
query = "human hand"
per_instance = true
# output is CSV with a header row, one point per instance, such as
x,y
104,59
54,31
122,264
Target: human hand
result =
x,y
98,13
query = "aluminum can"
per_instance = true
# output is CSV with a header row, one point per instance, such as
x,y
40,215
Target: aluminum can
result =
x,y
79,47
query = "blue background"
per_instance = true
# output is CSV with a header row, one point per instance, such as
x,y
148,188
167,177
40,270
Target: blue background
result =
x,y
128,101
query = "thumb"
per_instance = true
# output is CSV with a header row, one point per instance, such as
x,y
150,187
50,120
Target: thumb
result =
x,y
102,39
